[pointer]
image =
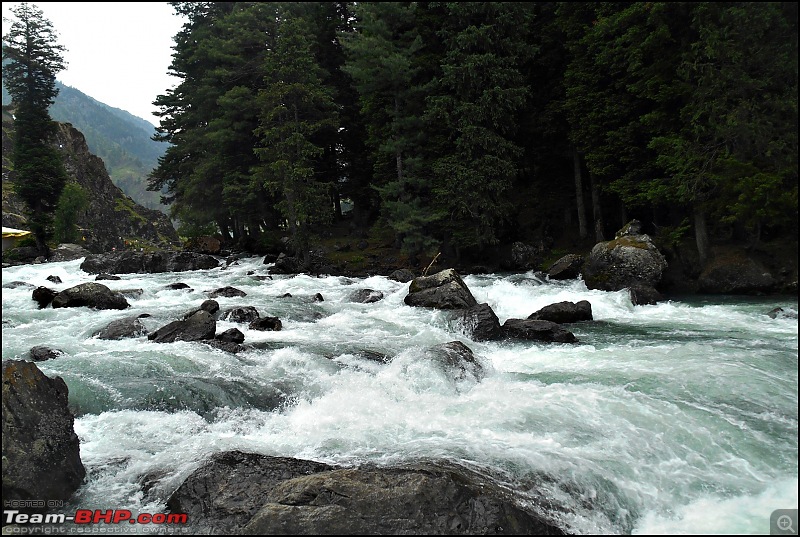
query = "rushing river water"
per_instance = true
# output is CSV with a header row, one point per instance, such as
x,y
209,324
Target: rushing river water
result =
x,y
674,418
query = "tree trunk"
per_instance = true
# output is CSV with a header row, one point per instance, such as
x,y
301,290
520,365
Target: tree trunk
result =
x,y
701,235
597,210
576,165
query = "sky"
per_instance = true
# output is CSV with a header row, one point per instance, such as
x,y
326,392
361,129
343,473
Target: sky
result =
x,y
118,53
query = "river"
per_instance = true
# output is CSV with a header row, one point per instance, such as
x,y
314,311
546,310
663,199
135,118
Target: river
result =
x,y
679,417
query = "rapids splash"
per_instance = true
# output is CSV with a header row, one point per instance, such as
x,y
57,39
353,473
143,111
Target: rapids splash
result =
x,y
674,418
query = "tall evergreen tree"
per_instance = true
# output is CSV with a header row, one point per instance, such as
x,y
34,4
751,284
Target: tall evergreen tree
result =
x,y
382,63
31,59
476,101
295,107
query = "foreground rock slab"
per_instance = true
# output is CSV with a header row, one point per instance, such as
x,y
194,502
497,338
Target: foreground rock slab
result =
x,y
254,494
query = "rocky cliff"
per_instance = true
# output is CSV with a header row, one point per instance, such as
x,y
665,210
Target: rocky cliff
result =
x,y
111,220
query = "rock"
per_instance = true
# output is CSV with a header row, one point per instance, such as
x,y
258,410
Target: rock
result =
x,y
227,346
177,286
627,260
402,275
41,452
780,313
642,294
231,335
735,274
266,324
40,353
197,327
443,290
105,276
246,314
17,284
458,361
564,312
318,298
479,323
537,330
211,306
222,495
243,493
54,279
391,501
68,252
227,292
567,268
122,328
92,295
287,265
366,296
44,296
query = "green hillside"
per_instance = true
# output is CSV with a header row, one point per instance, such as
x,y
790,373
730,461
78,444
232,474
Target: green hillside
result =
x,y
122,140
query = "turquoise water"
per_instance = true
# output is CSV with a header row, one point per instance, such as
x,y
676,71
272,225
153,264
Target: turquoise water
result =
x,y
674,418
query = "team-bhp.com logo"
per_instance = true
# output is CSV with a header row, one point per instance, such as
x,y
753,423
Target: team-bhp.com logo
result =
x,y
96,516
120,517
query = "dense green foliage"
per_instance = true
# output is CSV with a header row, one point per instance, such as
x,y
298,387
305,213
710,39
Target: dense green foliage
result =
x,y
463,125
72,201
32,57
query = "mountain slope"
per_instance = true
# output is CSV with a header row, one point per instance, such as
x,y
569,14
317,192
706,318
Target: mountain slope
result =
x,y
122,140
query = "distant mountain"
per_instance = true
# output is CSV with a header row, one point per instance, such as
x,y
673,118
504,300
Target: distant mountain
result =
x,y
122,140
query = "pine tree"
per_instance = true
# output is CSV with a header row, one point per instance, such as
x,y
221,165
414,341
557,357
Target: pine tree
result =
x,y
295,107
475,103
31,59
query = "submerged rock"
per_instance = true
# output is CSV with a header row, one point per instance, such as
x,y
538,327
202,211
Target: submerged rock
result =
x,y
366,296
40,353
122,328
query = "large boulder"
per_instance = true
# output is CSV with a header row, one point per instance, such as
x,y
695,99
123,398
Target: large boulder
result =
x,y
93,295
443,290
68,252
223,494
537,331
258,494
631,258
735,274
391,501
564,312
41,452
199,326
479,323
